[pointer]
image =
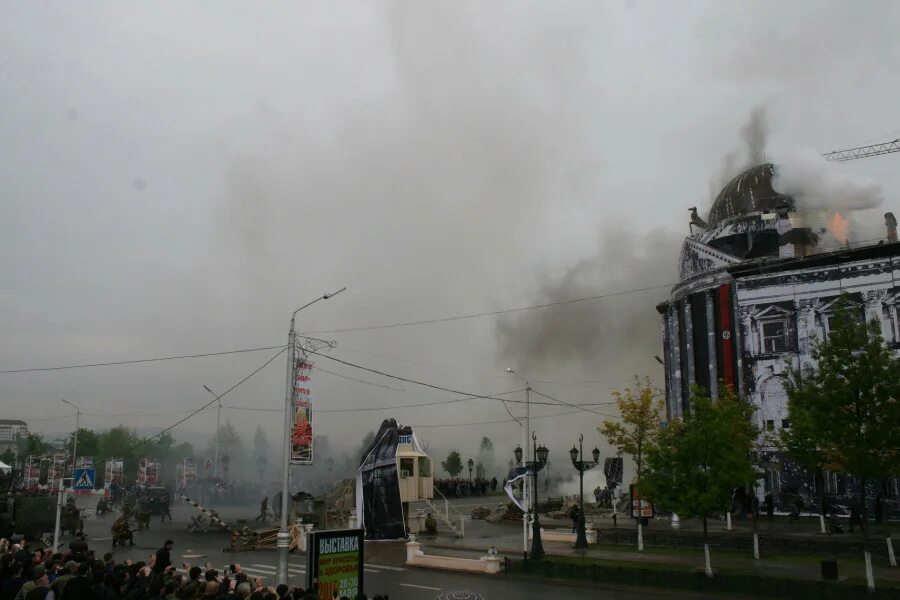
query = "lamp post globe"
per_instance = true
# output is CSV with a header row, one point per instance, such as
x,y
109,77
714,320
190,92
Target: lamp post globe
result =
x,y
581,465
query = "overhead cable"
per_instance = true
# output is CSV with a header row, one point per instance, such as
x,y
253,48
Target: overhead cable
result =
x,y
490,313
216,399
138,360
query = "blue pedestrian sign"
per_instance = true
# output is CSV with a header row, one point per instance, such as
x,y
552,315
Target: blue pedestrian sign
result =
x,y
84,479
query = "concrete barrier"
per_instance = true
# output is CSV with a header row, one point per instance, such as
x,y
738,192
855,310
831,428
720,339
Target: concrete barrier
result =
x,y
563,535
416,558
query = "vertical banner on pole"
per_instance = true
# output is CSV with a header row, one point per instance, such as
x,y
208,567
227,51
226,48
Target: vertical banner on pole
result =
x,y
32,472
301,422
148,472
115,469
189,473
57,469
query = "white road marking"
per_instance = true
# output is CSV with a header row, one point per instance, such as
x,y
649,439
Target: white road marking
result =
x,y
377,566
368,570
421,587
100,539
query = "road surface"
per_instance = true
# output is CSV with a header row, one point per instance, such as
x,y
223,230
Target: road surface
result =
x,y
395,579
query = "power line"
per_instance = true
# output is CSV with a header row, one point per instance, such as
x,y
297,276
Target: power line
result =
x,y
453,391
138,360
342,376
570,412
490,313
574,405
576,383
404,379
216,399
371,408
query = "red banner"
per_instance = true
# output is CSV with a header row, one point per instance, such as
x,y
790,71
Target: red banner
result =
x,y
302,425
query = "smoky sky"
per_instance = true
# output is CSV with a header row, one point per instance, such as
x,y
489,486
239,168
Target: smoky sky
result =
x,y
179,178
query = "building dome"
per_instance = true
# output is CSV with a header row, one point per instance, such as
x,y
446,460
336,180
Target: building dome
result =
x,y
749,193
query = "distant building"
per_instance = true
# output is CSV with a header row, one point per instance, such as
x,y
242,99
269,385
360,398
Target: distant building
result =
x,y
10,429
758,282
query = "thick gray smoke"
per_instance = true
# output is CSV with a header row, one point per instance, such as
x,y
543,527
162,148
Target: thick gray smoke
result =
x,y
754,135
817,184
613,337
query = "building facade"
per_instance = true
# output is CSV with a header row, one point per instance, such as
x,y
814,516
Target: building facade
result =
x,y
758,283
10,429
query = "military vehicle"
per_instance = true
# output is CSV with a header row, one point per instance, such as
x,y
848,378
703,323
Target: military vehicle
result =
x,y
27,515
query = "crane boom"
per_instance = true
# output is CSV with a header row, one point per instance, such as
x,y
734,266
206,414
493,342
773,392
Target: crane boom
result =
x,y
863,151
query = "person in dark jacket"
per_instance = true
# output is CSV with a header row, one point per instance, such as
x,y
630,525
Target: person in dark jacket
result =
x,y
79,587
163,558
12,585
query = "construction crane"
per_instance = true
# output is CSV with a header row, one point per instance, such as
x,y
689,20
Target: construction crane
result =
x,y
863,151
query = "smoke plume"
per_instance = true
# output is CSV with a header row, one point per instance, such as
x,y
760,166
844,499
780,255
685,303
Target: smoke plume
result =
x,y
817,184
754,135
614,336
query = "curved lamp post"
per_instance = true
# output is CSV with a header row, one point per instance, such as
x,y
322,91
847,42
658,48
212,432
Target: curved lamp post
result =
x,y
540,454
581,465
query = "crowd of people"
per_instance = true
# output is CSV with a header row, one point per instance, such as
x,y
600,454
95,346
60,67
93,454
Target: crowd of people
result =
x,y
455,488
28,573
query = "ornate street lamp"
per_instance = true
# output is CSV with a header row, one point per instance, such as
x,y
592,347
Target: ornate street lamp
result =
x,y
540,454
582,466
471,464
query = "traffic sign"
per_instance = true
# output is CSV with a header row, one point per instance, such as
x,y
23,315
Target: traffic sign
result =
x,y
84,479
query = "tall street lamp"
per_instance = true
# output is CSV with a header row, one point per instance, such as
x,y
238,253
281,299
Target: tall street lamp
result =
x,y
540,454
471,464
75,438
283,538
218,430
581,465
526,431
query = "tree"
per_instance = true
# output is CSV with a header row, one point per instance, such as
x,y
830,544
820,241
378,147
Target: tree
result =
x,y
801,442
122,442
260,443
88,442
641,410
696,463
485,456
453,464
32,444
848,404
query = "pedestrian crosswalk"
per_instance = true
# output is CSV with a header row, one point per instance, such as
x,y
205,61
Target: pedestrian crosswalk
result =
x,y
268,572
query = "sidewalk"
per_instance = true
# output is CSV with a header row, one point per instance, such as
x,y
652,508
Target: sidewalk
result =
x,y
508,540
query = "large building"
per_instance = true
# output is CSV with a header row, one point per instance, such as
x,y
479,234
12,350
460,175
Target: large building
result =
x,y
757,284
10,429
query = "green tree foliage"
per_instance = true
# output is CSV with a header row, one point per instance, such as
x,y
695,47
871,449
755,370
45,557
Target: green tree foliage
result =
x,y
845,407
696,463
88,442
453,465
485,457
260,443
32,444
641,408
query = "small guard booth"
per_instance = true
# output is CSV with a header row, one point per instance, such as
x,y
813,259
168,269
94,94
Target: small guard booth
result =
x,y
393,472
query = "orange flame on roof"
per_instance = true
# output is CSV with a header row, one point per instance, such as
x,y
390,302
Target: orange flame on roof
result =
x,y
839,227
